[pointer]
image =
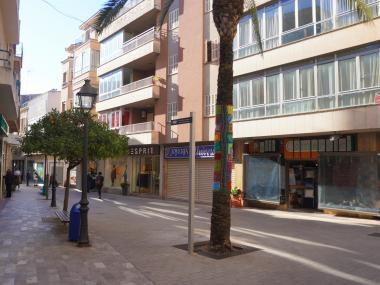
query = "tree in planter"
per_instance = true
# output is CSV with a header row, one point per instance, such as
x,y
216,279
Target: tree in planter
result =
x,y
68,137
226,14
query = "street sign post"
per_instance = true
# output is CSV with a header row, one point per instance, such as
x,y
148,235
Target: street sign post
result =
x,y
181,121
190,120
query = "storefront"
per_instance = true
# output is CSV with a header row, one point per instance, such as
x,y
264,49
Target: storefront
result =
x,y
144,164
177,172
312,173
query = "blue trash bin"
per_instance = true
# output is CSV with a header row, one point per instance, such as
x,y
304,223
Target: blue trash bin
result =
x,y
74,222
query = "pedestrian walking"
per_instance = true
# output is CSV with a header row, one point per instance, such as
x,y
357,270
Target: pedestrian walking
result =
x,y
9,180
99,184
17,179
28,176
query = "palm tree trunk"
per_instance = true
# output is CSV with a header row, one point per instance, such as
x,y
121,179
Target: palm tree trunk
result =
x,y
221,215
226,15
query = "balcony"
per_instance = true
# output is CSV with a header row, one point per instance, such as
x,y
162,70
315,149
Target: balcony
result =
x,y
9,96
4,128
143,133
141,93
139,52
138,15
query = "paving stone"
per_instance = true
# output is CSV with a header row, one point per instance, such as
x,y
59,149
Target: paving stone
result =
x,y
44,256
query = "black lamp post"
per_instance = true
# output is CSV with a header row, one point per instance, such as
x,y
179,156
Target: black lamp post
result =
x,y
86,99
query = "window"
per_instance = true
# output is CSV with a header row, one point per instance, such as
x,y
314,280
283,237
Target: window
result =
x,y
64,79
173,64
212,50
273,89
111,48
86,61
82,62
326,79
210,105
245,93
173,19
324,15
103,118
77,65
306,82
109,85
305,12
257,91
347,74
172,111
271,26
288,15
290,85
369,70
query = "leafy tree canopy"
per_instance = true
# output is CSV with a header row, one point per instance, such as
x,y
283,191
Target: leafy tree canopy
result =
x,y
61,135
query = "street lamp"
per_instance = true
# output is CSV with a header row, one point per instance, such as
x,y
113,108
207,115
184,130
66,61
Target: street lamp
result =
x,y
86,99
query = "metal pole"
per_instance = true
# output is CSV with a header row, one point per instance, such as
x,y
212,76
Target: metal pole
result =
x,y
46,180
83,233
53,186
191,184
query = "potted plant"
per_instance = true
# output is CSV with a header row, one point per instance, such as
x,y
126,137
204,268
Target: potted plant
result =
x,y
236,198
124,188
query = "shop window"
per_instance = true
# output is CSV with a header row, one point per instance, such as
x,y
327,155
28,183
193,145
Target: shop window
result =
x,y
349,182
262,179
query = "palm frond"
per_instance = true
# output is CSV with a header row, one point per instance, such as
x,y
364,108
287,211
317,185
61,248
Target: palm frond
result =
x,y
256,24
362,9
108,13
164,11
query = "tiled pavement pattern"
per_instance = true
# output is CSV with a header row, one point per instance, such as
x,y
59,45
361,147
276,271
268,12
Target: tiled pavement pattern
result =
x,y
34,249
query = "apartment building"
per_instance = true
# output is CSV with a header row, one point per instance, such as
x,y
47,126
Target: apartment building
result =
x,y
149,76
67,97
305,110
306,113
10,66
33,109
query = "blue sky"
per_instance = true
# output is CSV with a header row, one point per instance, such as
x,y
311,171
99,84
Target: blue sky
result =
x,y
44,34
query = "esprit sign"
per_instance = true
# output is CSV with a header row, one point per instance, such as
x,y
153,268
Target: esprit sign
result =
x,y
144,150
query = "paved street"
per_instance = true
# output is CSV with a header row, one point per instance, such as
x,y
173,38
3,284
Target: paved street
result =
x,y
133,238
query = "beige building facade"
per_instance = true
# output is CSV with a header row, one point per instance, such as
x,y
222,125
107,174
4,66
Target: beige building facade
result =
x,y
305,110
10,66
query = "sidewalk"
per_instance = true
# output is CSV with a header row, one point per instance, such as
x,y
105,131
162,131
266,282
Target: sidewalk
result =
x,y
295,248
34,249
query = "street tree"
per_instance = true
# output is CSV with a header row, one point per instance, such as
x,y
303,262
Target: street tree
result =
x,y
65,132
226,15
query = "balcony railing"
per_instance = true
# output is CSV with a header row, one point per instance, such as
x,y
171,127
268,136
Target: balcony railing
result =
x,y
136,85
140,40
129,5
137,128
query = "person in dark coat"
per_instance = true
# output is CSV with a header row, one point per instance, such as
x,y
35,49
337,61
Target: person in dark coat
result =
x,y
9,179
99,184
28,176
89,182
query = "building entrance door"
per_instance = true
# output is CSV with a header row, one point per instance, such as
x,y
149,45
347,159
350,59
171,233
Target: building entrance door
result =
x,y
145,175
302,184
